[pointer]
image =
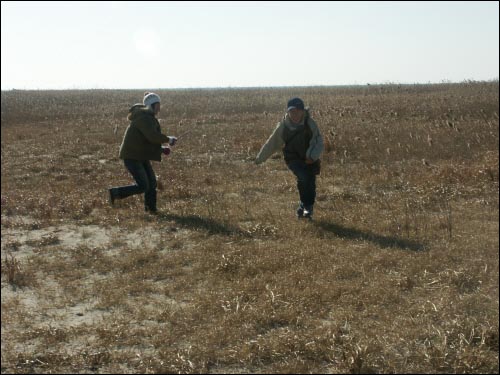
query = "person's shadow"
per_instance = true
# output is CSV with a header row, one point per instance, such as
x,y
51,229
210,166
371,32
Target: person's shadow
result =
x,y
195,222
356,234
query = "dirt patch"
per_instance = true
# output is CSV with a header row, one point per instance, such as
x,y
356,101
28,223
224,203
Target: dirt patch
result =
x,y
23,242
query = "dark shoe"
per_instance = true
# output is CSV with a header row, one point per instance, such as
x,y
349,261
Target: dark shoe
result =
x,y
152,211
300,212
111,197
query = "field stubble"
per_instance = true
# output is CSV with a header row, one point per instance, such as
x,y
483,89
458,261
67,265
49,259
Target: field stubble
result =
x,y
397,273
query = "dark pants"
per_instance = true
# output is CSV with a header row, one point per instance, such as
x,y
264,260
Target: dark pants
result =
x,y
306,183
145,179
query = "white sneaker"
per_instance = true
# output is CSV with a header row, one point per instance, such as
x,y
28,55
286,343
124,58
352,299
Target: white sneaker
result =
x,y
307,214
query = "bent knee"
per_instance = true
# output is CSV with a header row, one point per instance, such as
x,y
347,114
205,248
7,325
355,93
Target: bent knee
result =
x,y
143,187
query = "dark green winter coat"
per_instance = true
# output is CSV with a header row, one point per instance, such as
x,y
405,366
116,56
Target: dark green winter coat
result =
x,y
143,137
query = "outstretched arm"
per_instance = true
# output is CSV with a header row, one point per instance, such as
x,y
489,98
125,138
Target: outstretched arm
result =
x,y
273,144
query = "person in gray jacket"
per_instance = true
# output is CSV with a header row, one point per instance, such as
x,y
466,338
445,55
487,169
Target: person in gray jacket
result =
x,y
299,137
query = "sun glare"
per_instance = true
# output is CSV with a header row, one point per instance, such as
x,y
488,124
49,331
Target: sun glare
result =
x,y
147,42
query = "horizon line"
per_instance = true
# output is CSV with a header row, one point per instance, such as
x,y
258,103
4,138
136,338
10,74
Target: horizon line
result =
x,y
443,82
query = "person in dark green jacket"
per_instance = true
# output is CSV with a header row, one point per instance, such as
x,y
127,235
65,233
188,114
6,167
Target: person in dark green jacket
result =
x,y
142,143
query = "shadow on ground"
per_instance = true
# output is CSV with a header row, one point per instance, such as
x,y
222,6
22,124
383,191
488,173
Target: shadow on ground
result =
x,y
194,222
356,234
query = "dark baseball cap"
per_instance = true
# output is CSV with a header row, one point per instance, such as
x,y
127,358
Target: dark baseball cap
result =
x,y
295,103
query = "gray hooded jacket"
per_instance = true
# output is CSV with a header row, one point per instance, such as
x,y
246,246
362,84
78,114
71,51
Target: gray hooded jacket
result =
x,y
277,139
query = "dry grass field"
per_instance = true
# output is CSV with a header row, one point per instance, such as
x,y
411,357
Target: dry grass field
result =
x,y
397,273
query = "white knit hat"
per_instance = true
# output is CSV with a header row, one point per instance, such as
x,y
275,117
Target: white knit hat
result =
x,y
150,99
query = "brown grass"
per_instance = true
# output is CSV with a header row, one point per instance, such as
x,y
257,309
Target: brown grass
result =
x,y
398,273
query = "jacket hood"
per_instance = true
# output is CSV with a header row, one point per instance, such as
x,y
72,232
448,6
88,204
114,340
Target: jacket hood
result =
x,y
138,110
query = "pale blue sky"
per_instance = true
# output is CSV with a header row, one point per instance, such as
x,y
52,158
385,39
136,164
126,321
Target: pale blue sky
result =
x,y
67,45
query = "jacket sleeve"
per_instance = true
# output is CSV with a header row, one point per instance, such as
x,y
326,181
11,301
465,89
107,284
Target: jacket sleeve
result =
x,y
151,133
316,144
273,144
